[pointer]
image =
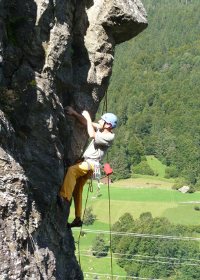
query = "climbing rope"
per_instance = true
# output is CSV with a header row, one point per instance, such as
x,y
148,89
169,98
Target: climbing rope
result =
x,y
105,109
105,103
110,235
90,189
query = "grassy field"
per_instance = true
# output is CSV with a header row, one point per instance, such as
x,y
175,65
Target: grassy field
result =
x,y
136,196
156,166
145,181
145,195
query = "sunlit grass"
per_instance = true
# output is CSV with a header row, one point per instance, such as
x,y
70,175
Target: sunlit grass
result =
x,y
145,181
160,202
156,166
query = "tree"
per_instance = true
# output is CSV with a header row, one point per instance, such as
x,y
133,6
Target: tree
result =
x,y
119,162
122,225
99,247
171,172
89,217
156,257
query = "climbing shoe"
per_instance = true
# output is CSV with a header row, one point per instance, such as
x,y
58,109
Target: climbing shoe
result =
x,y
76,223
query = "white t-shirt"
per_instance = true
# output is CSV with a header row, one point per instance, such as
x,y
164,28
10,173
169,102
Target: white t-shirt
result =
x,y
98,146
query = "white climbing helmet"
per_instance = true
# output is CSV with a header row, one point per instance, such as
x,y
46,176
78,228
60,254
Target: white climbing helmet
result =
x,y
110,119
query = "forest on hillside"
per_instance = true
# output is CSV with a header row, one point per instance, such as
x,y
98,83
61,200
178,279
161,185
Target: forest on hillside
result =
x,y
155,89
162,250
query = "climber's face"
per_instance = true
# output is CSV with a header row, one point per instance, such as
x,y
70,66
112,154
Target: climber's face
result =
x,y
103,124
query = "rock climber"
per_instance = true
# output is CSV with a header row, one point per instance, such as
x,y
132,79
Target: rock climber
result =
x,y
102,137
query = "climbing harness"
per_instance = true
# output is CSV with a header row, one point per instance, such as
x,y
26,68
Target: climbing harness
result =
x,y
97,171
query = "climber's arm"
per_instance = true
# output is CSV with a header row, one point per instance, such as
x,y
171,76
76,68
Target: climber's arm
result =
x,y
96,126
70,111
90,125
80,117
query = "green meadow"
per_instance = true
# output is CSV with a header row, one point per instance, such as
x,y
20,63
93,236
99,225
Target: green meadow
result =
x,y
136,196
158,199
156,165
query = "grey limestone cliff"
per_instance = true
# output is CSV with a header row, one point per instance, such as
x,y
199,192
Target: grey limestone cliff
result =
x,y
52,53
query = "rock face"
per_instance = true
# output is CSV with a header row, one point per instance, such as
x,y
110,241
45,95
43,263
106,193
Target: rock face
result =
x,y
53,53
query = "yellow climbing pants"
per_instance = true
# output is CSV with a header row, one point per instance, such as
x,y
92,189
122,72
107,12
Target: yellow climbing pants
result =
x,y
74,181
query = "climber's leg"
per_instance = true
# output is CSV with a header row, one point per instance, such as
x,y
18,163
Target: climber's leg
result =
x,y
78,190
73,173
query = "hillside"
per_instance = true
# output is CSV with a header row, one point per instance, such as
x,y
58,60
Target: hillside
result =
x,y
155,92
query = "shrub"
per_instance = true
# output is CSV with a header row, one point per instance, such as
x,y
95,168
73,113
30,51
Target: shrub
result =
x,y
89,217
99,247
192,189
171,172
197,185
179,182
